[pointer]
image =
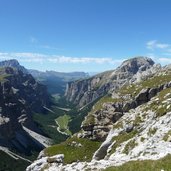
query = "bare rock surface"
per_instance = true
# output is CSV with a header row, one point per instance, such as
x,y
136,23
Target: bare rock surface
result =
x,y
85,91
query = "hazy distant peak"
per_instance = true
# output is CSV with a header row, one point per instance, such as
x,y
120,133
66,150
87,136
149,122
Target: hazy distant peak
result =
x,y
11,62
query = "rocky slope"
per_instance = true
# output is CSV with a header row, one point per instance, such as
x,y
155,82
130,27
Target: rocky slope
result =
x,y
85,91
20,96
131,123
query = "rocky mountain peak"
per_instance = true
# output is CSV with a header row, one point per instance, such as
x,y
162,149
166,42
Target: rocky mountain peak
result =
x,y
11,62
14,64
135,64
86,91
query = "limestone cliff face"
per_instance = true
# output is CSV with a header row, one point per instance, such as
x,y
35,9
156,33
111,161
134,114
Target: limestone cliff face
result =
x,y
102,120
20,96
82,92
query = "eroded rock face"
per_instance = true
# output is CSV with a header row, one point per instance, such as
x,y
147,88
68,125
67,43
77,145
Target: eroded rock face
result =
x,y
112,112
85,91
20,95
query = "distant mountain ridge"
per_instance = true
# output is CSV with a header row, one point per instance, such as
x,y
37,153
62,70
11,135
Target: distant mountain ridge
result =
x,y
75,75
56,81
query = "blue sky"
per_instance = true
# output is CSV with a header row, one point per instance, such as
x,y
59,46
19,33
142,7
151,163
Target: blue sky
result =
x,y
84,35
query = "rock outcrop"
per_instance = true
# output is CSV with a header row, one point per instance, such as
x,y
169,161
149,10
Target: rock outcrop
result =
x,y
82,92
44,162
111,112
20,96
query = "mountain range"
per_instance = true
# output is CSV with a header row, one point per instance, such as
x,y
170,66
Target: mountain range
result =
x,y
56,81
128,124
115,120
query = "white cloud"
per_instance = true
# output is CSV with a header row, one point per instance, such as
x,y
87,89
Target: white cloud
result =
x,y
37,57
162,45
64,59
154,44
161,52
151,55
165,60
160,59
37,44
49,47
150,44
23,57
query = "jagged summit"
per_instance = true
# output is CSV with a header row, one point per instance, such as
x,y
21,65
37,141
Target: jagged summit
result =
x,y
8,63
85,91
139,59
14,64
135,64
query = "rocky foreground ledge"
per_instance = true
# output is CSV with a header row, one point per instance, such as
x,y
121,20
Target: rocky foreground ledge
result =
x,y
43,163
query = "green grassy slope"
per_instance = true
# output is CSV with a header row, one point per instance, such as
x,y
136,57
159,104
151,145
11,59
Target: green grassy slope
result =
x,y
63,123
74,149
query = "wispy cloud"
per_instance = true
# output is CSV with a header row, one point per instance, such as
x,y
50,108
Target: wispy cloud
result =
x,y
160,59
161,52
154,44
164,60
49,47
64,59
33,39
37,57
24,57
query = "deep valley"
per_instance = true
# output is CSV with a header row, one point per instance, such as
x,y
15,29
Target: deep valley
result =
x,y
119,117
